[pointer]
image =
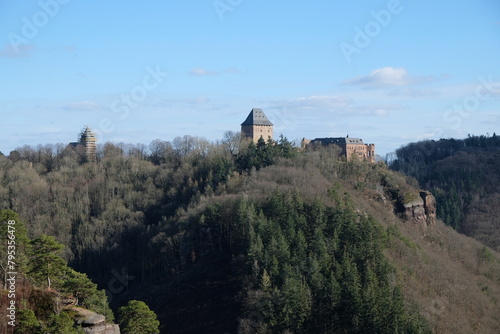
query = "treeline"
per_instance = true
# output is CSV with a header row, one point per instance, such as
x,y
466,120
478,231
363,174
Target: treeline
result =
x,y
463,174
416,159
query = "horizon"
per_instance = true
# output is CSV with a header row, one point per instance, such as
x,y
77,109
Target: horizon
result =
x,y
388,72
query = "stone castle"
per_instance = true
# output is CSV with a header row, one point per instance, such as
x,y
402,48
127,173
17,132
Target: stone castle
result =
x,y
350,147
257,126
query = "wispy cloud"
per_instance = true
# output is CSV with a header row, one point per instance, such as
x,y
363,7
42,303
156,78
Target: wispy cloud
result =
x,y
22,51
414,92
387,77
321,101
380,112
82,106
200,71
325,105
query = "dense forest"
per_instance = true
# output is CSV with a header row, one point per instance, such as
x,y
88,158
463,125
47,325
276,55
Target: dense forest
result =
x,y
257,238
464,175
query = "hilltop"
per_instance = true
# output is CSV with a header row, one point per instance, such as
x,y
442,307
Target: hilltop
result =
x,y
272,239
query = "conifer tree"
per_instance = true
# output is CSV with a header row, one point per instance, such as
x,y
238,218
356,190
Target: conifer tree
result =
x,y
47,268
27,323
62,324
137,318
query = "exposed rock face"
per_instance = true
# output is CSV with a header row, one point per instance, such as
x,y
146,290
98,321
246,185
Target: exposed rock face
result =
x,y
430,207
94,320
94,323
103,329
422,211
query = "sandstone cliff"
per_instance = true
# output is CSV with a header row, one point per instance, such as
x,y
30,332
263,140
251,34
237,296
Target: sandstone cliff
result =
x,y
422,210
94,323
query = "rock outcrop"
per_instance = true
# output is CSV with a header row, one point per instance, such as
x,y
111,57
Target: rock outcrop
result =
x,y
422,210
430,207
102,329
94,323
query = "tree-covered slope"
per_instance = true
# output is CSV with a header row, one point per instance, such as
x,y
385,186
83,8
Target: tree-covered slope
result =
x,y
268,241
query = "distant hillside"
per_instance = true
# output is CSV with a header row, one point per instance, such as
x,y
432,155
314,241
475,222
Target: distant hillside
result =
x,y
464,175
271,240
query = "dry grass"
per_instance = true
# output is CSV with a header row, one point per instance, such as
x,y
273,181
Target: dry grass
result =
x,y
442,274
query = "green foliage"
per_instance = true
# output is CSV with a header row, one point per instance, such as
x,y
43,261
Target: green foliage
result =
x,y
62,324
318,269
97,301
27,322
40,261
43,304
264,154
87,294
137,318
15,240
46,267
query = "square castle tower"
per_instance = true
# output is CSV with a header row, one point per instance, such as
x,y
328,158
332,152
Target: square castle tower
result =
x,y
257,126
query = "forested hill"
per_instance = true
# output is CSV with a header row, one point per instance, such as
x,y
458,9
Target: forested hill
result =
x,y
265,239
464,175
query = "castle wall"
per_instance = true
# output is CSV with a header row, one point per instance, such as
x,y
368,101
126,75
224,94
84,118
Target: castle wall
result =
x,y
362,151
257,131
349,150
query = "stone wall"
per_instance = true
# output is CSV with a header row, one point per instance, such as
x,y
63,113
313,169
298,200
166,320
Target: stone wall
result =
x,y
256,131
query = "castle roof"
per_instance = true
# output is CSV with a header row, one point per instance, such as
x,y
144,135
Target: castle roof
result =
x,y
256,117
339,140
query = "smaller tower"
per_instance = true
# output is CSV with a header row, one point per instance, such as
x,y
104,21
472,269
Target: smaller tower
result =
x,y
88,140
257,126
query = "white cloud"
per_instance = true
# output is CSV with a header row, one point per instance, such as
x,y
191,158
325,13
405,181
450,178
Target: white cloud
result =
x,y
201,72
387,76
82,105
381,112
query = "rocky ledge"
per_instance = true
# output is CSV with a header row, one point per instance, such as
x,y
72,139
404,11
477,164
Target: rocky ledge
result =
x,y
94,323
422,210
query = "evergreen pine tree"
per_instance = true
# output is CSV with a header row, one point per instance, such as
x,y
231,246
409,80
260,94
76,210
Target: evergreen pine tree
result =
x,y
137,318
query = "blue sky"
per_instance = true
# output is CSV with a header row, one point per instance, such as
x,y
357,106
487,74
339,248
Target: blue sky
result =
x,y
389,72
